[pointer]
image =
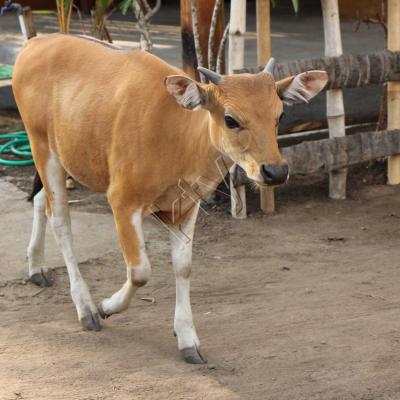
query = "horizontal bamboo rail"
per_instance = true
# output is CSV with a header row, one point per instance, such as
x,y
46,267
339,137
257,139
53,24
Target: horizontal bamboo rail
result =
x,y
332,154
346,71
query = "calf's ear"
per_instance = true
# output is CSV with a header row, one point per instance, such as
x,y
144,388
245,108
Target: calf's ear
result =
x,y
301,88
188,93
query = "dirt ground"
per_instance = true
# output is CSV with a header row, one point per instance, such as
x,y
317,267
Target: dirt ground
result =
x,y
302,304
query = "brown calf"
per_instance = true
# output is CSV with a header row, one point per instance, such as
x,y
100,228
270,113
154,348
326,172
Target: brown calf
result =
x,y
122,122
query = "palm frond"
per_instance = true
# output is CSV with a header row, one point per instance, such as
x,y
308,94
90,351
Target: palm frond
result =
x,y
64,13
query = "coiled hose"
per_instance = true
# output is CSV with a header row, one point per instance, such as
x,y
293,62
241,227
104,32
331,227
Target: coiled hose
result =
x,y
17,144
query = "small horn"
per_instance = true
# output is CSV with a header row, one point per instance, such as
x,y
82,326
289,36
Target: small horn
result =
x,y
269,68
211,75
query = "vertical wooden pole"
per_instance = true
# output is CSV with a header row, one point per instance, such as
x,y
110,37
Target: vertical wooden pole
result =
x,y
204,9
264,52
237,29
334,98
28,18
393,98
22,25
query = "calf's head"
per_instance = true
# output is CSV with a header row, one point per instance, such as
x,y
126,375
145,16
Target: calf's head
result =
x,y
245,111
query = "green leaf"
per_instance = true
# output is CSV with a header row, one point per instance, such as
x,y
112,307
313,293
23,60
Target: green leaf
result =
x,y
125,5
295,5
274,3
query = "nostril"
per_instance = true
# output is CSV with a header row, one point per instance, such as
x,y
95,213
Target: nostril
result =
x,y
274,174
266,170
267,173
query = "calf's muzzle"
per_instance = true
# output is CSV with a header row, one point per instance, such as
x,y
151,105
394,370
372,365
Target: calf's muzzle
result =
x,y
274,174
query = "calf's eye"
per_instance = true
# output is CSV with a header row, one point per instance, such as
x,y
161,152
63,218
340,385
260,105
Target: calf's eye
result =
x,y
231,123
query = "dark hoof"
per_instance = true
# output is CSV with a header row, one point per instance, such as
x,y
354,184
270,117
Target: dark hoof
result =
x,y
42,279
194,355
103,315
91,322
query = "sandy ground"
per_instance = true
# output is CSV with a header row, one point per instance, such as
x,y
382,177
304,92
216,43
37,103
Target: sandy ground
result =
x,y
303,304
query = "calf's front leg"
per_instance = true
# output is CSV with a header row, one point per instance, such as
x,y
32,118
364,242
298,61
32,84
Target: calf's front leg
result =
x,y
128,221
181,237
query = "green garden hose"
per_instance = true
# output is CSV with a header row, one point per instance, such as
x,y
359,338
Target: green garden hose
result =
x,y
16,143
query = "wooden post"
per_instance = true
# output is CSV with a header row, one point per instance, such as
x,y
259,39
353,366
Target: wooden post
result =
x,y
334,98
264,52
28,19
393,98
237,29
205,10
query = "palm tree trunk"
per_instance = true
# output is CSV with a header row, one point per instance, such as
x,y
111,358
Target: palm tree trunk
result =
x,y
205,9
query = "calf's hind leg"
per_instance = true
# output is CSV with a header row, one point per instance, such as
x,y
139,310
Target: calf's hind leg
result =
x,y
53,178
38,274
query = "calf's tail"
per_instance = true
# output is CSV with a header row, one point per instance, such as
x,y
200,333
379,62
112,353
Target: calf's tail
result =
x,y
37,186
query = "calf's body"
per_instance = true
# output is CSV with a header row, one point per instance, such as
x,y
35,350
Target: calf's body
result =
x,y
124,123
106,115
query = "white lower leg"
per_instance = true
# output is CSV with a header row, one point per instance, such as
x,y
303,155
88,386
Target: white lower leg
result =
x,y
183,322
36,243
137,275
79,290
181,247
